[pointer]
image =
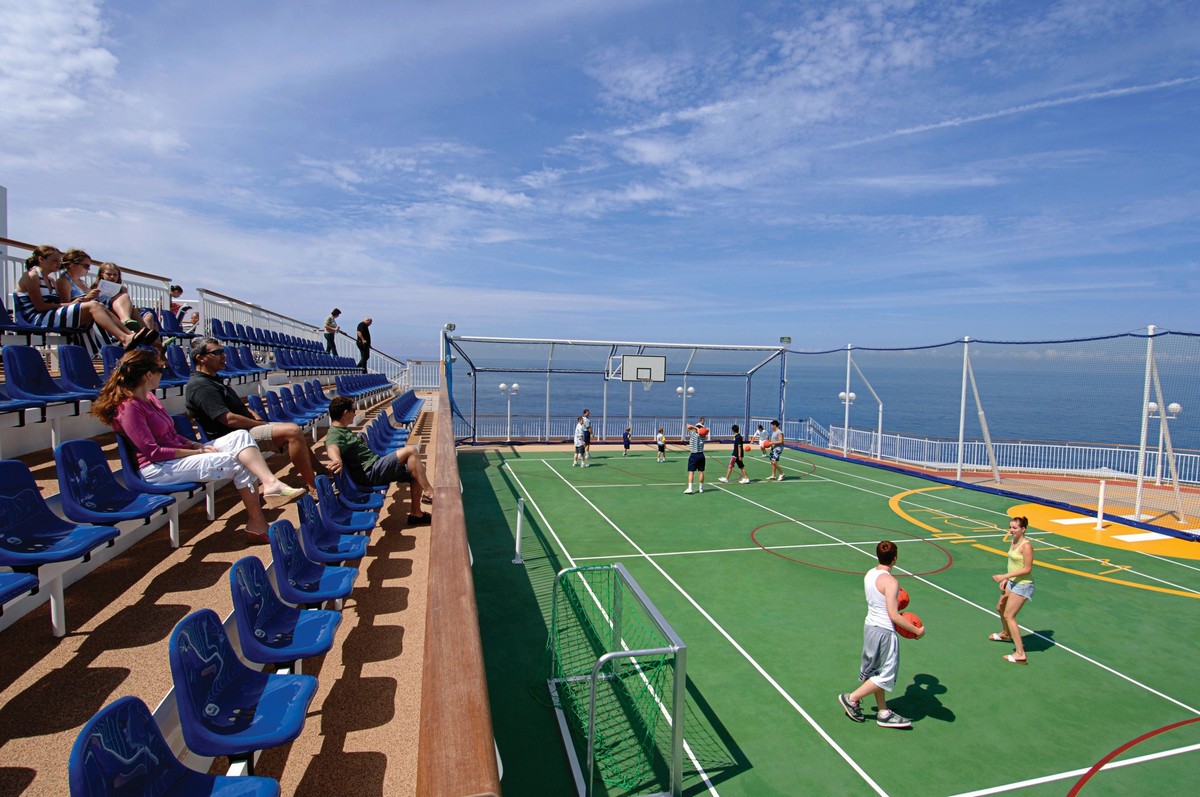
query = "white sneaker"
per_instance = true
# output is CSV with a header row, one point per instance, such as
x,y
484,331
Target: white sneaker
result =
x,y
586,465
688,491
701,488
743,481
778,478
723,480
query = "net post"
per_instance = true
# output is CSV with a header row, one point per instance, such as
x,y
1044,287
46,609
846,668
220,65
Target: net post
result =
x,y
1100,507
517,560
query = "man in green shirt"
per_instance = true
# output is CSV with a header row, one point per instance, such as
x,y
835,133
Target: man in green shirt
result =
x,y
347,449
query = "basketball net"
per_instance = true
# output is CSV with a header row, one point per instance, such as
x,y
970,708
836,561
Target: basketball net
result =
x,y
646,383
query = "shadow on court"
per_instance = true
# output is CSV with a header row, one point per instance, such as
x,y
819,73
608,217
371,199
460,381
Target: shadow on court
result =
x,y
1038,641
921,700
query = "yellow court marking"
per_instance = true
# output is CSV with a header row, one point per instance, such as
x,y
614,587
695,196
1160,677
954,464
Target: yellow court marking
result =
x,y
1041,518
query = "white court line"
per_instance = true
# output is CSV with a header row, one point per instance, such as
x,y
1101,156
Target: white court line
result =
x,y
712,621
1145,536
691,756
1078,773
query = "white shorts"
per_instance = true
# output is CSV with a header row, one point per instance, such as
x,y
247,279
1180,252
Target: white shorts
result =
x,y
207,467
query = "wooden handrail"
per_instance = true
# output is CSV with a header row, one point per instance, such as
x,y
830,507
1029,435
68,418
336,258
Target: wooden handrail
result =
x,y
124,269
457,755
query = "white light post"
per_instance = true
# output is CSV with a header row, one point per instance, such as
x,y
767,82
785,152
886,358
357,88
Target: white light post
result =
x,y
1174,408
684,394
508,392
847,398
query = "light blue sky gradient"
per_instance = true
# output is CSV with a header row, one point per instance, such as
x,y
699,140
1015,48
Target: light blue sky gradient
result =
x,y
882,173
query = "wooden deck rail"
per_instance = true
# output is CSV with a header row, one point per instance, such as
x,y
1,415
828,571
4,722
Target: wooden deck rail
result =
x,y
457,754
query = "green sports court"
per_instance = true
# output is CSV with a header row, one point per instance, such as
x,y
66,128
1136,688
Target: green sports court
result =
x,y
763,582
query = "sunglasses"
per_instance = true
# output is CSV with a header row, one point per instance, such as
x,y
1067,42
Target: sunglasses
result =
x,y
214,351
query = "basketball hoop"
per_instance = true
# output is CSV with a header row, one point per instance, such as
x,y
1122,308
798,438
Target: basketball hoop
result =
x,y
646,382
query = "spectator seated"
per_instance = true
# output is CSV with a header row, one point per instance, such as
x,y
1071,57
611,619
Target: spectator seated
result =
x,y
270,631
121,750
301,581
32,537
321,544
336,517
226,708
132,476
357,496
19,326
91,494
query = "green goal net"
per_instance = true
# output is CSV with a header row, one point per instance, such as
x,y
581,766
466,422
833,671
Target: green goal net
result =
x,y
617,678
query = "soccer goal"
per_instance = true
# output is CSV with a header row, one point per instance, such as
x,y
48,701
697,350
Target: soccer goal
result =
x,y
618,682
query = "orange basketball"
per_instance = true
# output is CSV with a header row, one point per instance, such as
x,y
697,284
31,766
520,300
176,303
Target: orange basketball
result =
x,y
912,618
902,599
766,444
702,431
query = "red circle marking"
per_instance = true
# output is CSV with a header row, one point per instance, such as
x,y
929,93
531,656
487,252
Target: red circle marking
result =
x,y
754,537
1100,764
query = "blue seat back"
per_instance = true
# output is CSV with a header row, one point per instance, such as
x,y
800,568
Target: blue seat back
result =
x,y
204,667
184,426
24,516
294,572
78,371
275,408
262,619
120,751
26,376
110,355
179,361
331,507
255,403
86,482
312,529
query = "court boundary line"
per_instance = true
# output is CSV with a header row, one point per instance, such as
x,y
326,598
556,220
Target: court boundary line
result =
x,y
737,646
699,769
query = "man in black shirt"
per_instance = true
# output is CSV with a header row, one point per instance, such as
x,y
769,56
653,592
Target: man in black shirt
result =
x,y
364,343
219,410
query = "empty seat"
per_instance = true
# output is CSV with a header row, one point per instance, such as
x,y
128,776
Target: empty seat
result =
x,y
301,581
336,516
14,585
31,536
27,377
121,751
270,631
78,373
226,708
321,544
91,494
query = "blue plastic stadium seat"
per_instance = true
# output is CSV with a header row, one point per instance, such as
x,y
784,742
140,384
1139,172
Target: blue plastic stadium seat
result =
x,y
32,535
121,751
8,404
321,544
14,585
226,708
172,328
270,631
336,516
358,497
78,373
91,494
301,581
27,377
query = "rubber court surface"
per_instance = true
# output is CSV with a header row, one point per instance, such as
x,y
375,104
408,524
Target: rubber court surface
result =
x,y
763,581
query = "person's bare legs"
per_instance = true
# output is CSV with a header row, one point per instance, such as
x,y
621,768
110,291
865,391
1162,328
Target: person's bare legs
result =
x,y
1011,606
869,688
299,453
252,459
103,318
256,521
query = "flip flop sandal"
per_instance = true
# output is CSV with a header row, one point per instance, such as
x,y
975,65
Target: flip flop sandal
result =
x,y
998,638
1011,659
132,324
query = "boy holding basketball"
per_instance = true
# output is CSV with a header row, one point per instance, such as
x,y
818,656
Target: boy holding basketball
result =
x,y
580,457
661,440
736,458
881,646
776,450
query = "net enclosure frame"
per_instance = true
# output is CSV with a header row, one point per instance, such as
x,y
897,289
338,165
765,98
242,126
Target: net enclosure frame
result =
x,y
623,604
603,359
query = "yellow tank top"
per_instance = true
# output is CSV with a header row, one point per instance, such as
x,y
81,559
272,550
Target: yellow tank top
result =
x,y
1016,561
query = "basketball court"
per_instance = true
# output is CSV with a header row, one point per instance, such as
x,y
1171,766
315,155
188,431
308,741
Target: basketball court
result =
x,y
763,582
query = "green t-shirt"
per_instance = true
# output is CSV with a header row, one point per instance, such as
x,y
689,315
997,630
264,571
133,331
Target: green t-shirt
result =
x,y
354,451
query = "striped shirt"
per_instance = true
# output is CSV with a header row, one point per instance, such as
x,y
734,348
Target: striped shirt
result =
x,y
695,442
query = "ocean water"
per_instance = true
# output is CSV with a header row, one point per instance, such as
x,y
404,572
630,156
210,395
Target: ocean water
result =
x,y
1091,399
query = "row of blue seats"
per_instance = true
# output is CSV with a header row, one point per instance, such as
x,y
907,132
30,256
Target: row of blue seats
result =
x,y
307,362
229,332
363,388
227,708
17,324
406,408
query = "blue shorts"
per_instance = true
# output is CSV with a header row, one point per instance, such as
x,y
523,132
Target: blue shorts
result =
x,y
696,462
775,452
1024,590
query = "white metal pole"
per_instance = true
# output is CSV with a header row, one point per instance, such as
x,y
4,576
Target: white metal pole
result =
x,y
508,424
1162,421
962,406
520,523
1100,507
1141,460
846,406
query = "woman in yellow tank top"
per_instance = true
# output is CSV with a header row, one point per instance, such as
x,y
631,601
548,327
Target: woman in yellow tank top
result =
x,y
1016,587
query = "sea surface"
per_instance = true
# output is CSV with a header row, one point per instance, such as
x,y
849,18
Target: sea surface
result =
x,y
1095,399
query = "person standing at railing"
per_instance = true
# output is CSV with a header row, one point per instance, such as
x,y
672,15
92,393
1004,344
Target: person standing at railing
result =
x,y
364,342
331,330
1016,587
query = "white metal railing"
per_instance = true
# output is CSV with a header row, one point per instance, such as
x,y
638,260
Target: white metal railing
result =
x,y
1051,458
145,290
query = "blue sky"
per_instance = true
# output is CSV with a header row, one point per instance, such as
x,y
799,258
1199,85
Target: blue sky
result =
x,y
881,173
